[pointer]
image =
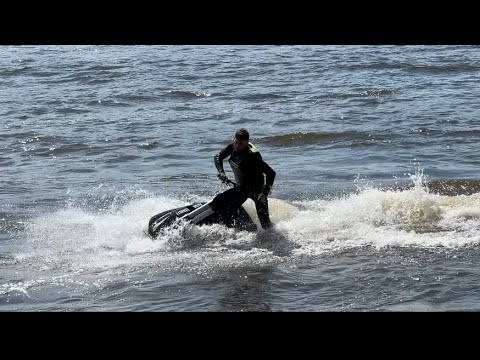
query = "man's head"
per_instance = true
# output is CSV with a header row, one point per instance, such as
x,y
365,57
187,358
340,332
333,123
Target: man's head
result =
x,y
240,142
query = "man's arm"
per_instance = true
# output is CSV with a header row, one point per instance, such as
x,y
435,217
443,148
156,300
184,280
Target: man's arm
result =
x,y
267,170
218,159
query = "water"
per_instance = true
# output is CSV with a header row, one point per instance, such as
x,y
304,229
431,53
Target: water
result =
x,y
376,198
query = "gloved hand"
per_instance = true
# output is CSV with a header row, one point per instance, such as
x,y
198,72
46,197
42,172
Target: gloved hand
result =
x,y
263,195
223,177
266,190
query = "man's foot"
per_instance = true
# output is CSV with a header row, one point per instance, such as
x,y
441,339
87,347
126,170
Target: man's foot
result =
x,y
268,226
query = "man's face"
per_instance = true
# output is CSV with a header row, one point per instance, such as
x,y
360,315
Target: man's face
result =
x,y
240,145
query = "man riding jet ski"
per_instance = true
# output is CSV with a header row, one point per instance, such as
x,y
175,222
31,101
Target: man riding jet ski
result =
x,y
226,208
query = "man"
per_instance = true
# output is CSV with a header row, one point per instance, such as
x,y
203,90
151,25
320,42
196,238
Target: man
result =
x,y
249,169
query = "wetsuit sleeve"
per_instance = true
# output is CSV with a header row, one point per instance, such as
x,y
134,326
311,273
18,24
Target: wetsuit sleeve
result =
x,y
218,159
267,170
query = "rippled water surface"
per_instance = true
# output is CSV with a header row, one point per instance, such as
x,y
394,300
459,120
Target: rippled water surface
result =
x,y
376,199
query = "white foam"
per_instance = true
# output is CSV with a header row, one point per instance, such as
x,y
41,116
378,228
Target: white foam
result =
x,y
279,210
77,240
386,218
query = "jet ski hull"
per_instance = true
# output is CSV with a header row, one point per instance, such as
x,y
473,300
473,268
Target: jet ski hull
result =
x,y
239,219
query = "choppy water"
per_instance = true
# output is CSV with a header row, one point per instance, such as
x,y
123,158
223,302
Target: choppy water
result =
x,y
376,199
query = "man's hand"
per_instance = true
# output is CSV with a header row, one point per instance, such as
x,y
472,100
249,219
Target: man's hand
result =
x,y
263,195
223,177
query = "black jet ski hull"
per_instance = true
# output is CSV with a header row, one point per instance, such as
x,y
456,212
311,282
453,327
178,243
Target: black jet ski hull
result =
x,y
239,220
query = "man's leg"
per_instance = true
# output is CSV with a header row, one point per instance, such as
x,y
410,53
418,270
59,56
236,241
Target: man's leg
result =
x,y
261,204
225,203
228,202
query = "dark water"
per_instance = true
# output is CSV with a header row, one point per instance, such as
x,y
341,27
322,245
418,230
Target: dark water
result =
x,y
376,197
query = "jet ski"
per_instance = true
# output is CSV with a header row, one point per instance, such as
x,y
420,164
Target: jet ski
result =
x,y
212,212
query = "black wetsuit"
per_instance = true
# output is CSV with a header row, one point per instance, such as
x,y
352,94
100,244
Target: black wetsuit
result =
x,y
248,168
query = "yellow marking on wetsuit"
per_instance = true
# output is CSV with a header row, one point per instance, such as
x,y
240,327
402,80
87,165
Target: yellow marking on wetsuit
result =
x,y
261,197
253,148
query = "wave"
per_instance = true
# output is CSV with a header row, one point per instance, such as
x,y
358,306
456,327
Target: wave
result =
x,y
361,96
71,110
85,239
310,138
358,138
107,102
137,98
475,133
431,68
454,187
149,145
106,67
27,71
182,94
380,92
58,149
6,161
255,97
